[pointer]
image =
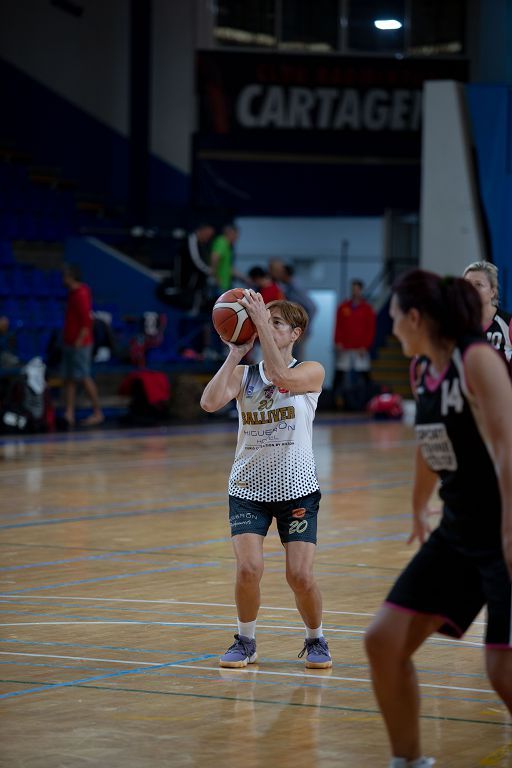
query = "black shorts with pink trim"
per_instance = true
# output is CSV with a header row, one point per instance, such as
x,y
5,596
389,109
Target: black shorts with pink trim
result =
x,y
442,580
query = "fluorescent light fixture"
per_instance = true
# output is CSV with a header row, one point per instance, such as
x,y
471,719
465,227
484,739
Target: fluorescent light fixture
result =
x,y
387,24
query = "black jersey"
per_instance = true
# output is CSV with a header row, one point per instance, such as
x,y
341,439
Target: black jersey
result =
x,y
452,446
499,334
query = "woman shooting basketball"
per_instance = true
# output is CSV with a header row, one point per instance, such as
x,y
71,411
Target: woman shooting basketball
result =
x,y
274,472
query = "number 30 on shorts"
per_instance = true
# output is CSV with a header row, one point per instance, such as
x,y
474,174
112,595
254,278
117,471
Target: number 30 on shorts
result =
x,y
298,526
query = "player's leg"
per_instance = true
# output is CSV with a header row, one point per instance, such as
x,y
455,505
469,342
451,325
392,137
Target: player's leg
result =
x,y
249,521
299,575
499,670
248,548
297,525
498,651
391,640
439,590
308,599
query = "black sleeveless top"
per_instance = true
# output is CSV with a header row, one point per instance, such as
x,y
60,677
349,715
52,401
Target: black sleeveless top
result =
x,y
499,335
453,447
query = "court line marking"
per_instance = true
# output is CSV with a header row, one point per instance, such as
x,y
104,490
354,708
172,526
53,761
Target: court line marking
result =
x,y
139,622
235,672
365,487
52,686
171,601
115,577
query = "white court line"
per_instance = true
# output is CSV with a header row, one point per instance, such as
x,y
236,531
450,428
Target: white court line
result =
x,y
163,602
136,622
236,672
170,601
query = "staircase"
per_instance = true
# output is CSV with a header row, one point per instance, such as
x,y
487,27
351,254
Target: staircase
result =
x,y
391,369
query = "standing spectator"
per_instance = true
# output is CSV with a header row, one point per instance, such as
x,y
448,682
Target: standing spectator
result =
x,y
496,323
222,259
263,283
186,287
195,266
77,348
284,275
353,337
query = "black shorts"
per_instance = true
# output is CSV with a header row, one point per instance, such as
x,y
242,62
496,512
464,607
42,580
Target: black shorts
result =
x,y
296,519
442,580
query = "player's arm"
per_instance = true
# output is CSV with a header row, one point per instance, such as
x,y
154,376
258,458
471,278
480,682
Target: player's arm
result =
x,y
424,485
306,377
226,383
489,383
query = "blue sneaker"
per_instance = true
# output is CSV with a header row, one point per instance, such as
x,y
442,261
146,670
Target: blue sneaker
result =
x,y
317,653
241,653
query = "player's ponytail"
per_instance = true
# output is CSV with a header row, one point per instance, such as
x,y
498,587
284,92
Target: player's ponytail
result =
x,y
451,304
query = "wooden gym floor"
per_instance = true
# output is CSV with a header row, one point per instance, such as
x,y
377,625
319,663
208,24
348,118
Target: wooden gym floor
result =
x,y
116,584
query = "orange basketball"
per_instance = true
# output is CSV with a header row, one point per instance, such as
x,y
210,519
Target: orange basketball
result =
x,y
230,318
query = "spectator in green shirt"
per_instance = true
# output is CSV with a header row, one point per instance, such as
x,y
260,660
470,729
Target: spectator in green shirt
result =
x,y
222,258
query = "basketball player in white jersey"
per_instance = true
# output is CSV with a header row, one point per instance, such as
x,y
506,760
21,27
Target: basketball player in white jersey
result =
x,y
274,473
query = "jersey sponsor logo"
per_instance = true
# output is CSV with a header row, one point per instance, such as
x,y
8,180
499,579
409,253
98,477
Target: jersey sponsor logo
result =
x,y
298,513
298,526
451,397
283,391
436,447
271,416
250,390
269,391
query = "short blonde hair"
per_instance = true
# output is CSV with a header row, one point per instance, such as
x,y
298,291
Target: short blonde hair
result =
x,y
295,315
491,272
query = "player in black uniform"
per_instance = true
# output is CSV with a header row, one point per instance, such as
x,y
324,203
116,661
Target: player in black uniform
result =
x,y
497,323
464,403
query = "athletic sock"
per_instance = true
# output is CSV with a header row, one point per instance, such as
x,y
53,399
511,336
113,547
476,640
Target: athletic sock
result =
x,y
313,634
247,629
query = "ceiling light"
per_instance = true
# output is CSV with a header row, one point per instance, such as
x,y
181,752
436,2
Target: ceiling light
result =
x,y
388,24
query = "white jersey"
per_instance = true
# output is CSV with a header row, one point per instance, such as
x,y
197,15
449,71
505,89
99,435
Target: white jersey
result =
x,y
274,458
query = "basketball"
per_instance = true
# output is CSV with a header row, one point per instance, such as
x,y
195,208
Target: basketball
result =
x,y
230,318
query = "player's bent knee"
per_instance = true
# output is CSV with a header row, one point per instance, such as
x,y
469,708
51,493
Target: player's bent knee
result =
x,y
249,572
379,644
299,581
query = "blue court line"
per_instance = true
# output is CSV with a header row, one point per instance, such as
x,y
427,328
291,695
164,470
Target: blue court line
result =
x,y
121,434
128,649
106,516
188,545
114,505
172,430
115,554
84,680
141,513
180,567
90,646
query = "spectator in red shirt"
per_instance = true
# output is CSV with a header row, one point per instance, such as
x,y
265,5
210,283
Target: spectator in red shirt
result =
x,y
77,348
353,337
263,283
